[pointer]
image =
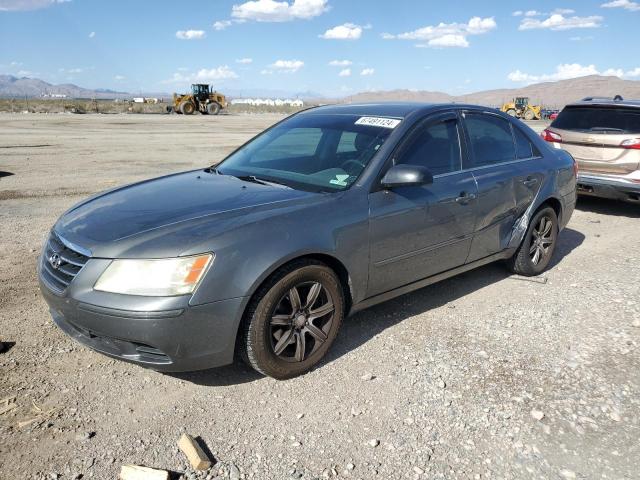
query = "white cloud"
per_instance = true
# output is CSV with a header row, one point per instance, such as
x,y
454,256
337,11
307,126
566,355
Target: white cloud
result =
x,y
447,34
204,75
532,13
119,78
346,31
274,11
92,34
244,61
367,72
346,72
518,13
190,34
449,40
570,70
580,39
626,4
340,63
283,66
16,5
613,72
557,21
221,24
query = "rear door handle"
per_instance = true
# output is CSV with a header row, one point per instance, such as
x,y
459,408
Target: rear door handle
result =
x,y
465,198
530,182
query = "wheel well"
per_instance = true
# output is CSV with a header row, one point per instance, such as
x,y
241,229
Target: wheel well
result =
x,y
331,262
555,204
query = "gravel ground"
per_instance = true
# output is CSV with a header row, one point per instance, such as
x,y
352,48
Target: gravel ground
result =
x,y
480,376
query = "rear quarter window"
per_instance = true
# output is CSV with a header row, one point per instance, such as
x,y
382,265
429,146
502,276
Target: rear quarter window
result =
x,y
592,118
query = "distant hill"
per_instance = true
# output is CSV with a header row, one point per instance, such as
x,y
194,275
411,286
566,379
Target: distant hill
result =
x,y
550,94
11,86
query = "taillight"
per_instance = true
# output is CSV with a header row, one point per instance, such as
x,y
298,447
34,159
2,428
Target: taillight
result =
x,y
632,143
549,136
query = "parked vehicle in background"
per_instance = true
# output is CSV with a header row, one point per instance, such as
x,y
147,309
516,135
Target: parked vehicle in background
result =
x,y
328,212
603,135
549,114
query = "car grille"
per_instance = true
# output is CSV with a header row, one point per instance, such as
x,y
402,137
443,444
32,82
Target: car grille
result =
x,y
60,263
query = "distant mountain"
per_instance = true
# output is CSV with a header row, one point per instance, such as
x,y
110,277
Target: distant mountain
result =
x,y
550,94
11,86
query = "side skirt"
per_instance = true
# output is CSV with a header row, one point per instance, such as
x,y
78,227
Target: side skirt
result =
x,y
383,297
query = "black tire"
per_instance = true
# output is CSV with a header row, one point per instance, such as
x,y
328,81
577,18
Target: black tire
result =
x,y
187,108
529,115
524,261
213,108
512,113
268,326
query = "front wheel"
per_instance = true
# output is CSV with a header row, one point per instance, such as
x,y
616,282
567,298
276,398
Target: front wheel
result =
x,y
213,108
537,247
529,115
293,320
512,113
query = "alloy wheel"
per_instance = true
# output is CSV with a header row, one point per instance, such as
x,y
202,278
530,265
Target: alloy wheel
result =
x,y
542,240
301,321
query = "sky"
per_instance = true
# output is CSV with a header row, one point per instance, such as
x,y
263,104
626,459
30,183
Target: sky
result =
x,y
329,47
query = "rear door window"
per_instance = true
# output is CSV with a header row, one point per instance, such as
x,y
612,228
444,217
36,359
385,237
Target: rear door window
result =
x,y
596,119
491,139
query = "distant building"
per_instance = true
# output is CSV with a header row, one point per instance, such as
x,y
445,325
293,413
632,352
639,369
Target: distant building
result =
x,y
53,95
277,102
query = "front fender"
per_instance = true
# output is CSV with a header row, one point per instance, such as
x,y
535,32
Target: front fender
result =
x,y
248,254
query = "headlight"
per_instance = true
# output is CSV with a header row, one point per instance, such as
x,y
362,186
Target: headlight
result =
x,y
154,278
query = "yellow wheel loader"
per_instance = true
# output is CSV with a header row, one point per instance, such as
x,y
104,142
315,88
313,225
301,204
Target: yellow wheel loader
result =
x,y
520,108
202,99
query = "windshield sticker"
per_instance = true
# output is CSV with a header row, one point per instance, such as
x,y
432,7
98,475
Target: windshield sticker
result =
x,y
340,180
378,122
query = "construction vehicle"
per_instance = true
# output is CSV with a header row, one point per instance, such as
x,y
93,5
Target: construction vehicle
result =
x,y
520,108
202,98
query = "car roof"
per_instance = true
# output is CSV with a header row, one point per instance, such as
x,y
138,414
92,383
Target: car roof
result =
x,y
384,109
605,101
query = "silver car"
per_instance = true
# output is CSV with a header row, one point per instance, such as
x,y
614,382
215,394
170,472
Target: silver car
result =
x,y
603,135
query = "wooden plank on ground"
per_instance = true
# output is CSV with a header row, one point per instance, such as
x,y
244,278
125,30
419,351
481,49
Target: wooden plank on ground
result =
x,y
196,456
136,472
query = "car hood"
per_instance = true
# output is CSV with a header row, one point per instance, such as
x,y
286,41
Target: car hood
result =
x,y
109,223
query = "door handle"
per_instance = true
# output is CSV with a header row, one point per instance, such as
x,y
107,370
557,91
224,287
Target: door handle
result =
x,y
465,198
530,182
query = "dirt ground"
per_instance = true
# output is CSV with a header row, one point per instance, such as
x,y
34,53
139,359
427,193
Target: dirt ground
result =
x,y
480,376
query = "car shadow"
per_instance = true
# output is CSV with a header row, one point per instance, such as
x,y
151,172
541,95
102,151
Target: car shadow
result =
x,y
361,327
607,206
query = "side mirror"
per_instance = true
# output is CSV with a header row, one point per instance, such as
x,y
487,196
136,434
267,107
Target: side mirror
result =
x,y
406,176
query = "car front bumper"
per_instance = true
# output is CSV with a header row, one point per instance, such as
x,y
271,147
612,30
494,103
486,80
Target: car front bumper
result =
x,y
605,186
182,338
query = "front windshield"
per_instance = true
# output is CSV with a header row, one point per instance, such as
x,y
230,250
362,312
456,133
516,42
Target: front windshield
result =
x,y
311,151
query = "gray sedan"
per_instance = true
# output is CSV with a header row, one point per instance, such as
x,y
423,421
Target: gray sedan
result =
x,y
328,212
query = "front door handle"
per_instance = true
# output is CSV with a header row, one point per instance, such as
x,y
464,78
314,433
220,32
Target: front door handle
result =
x,y
530,182
465,198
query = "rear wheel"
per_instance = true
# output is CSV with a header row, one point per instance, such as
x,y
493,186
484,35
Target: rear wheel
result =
x,y
293,320
187,108
537,247
529,115
512,113
213,108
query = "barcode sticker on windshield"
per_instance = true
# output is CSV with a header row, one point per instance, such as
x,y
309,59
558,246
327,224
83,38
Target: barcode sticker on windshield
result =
x,y
378,122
